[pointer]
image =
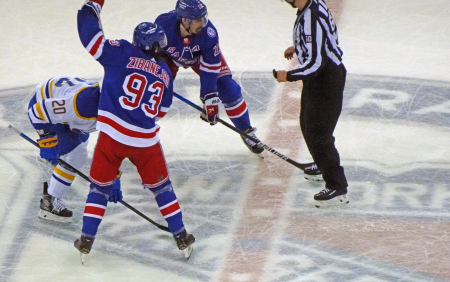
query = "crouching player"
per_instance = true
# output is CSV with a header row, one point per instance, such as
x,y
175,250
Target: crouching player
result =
x,y
63,111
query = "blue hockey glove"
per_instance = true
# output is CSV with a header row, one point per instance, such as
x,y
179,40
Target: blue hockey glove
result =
x,y
116,194
49,148
211,107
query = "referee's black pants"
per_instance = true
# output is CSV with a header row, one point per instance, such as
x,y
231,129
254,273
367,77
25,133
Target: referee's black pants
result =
x,y
321,105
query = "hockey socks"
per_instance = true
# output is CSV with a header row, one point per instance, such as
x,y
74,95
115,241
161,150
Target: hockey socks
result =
x,y
93,212
238,114
169,207
233,102
60,182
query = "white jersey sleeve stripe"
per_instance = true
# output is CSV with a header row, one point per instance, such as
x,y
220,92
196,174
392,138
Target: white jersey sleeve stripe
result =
x,y
218,65
209,69
34,117
213,68
164,109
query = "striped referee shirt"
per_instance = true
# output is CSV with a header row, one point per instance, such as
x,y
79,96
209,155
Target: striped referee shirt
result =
x,y
315,39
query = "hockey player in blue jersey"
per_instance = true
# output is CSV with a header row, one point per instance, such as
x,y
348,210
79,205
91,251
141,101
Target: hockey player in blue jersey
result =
x,y
193,42
63,111
136,92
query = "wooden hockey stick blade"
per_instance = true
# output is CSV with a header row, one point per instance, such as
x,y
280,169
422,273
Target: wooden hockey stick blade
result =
x,y
162,227
301,166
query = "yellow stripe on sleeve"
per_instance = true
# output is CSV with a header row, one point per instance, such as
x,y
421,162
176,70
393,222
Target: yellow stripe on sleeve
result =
x,y
64,174
42,92
51,88
39,111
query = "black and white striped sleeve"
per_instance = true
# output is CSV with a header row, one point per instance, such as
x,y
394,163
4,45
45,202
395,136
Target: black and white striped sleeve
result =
x,y
310,48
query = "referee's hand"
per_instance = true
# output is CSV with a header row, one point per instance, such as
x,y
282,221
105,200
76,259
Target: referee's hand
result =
x,y
289,52
280,75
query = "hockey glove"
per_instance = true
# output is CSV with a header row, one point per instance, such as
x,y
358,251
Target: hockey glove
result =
x,y
211,107
49,148
100,2
116,194
96,6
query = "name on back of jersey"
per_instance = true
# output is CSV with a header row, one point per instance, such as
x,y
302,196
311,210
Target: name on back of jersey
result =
x,y
150,67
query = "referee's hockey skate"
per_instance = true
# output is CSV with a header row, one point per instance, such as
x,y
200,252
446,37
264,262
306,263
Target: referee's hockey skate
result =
x,y
184,242
313,173
252,146
53,208
84,245
329,197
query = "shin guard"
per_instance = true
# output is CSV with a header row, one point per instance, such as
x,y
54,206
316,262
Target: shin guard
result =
x,y
94,210
169,207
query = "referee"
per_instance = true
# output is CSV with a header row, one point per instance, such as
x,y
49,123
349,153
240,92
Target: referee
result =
x,y
323,74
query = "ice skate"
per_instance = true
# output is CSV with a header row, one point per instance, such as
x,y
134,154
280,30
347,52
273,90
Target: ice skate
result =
x,y
184,242
330,197
84,245
312,173
252,146
53,208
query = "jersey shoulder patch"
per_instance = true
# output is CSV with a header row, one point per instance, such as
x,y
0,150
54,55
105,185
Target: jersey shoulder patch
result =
x,y
211,32
114,42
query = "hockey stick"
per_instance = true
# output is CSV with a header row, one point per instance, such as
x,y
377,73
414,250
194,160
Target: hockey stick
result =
x,y
301,166
162,227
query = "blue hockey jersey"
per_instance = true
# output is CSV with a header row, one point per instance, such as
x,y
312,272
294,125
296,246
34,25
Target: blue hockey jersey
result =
x,y
136,89
198,50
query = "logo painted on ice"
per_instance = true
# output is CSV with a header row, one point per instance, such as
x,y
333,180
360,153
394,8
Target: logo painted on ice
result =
x,y
413,107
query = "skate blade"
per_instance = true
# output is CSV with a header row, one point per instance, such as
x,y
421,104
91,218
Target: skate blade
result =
x,y
82,258
188,252
338,201
317,177
49,216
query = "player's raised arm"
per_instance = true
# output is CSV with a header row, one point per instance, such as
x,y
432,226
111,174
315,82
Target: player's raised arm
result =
x,y
89,28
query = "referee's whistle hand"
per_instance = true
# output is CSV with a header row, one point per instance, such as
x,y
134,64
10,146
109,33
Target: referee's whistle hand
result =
x,y
281,76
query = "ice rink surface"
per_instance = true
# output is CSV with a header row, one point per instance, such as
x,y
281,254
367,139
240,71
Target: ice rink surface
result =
x,y
254,219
